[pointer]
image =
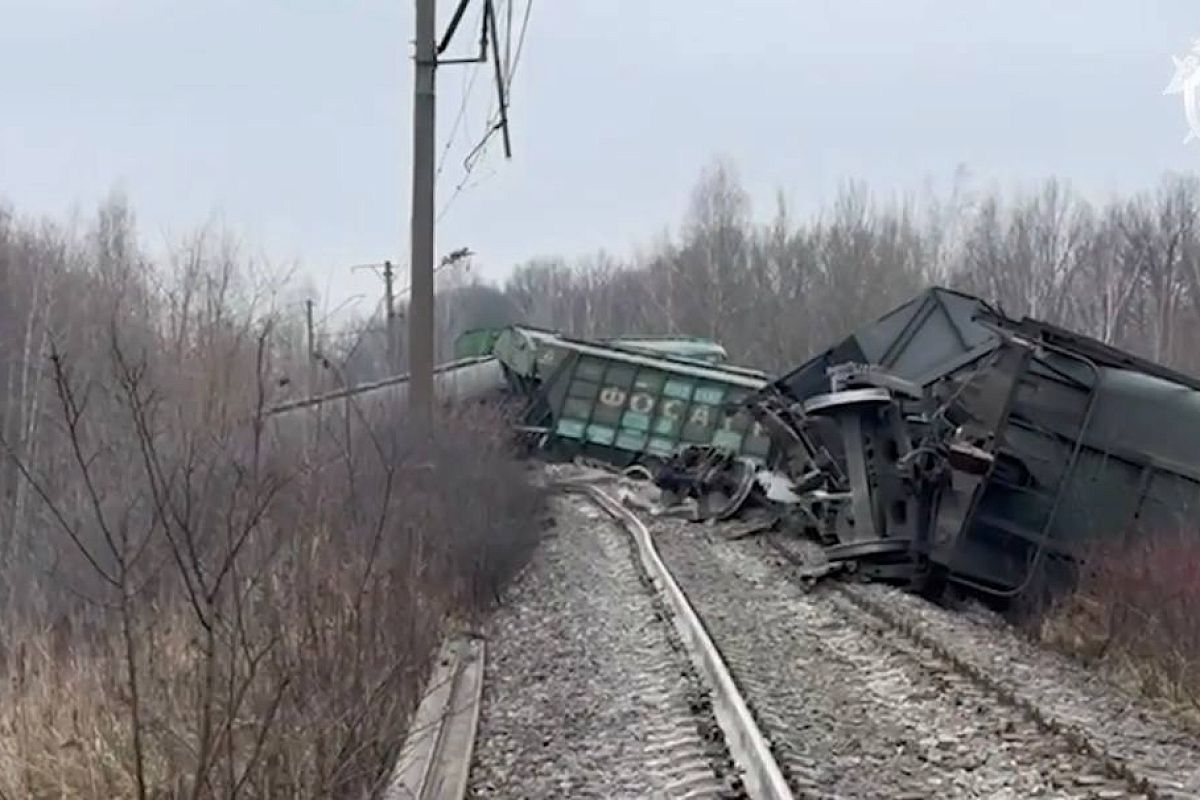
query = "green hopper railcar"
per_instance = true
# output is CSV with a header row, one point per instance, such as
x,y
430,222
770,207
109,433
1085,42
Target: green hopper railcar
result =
x,y
622,401
624,405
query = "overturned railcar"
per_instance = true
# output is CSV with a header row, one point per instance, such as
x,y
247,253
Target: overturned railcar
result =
x,y
625,403
488,364
472,378
619,400
947,442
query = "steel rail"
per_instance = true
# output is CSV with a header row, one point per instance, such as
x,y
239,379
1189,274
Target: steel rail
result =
x,y
435,763
747,745
1140,782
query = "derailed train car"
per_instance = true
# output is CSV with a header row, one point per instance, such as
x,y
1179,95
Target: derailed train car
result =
x,y
488,364
634,401
622,400
465,379
946,442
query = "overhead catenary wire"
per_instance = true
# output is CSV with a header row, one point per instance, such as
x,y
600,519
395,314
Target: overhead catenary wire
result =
x,y
489,11
447,261
508,24
512,70
470,161
497,117
506,68
468,87
469,78
424,217
462,188
497,120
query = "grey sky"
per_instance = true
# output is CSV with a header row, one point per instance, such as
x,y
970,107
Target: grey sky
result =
x,y
289,118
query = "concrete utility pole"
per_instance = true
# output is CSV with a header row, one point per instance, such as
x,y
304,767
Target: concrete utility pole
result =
x,y
390,299
312,347
424,175
420,317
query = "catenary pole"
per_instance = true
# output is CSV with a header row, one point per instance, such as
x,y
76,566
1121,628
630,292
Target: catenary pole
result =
x,y
424,176
390,310
420,318
312,347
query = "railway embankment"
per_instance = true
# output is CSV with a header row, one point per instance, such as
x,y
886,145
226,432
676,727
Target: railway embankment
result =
x,y
856,708
587,690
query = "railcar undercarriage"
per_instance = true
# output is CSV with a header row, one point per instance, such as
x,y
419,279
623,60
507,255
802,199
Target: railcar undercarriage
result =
x,y
942,443
994,469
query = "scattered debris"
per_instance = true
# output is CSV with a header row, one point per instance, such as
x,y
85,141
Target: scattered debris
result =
x,y
716,479
944,443
948,444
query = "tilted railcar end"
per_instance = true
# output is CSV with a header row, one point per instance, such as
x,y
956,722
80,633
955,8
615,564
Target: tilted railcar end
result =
x,y
949,443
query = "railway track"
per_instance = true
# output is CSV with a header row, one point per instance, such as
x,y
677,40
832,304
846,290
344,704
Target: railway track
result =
x,y
658,658
599,682
1150,752
858,704
436,759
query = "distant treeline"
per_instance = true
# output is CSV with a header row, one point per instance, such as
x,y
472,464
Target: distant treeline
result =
x,y
1126,272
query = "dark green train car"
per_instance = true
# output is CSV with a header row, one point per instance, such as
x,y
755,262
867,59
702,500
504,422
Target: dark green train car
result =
x,y
985,451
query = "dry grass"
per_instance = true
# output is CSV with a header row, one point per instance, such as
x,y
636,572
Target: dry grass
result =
x,y
194,602
229,615
1134,615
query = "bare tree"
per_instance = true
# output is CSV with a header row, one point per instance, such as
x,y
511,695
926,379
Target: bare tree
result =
x,y
203,603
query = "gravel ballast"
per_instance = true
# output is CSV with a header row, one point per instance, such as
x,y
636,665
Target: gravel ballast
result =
x,y
853,707
587,692
1129,735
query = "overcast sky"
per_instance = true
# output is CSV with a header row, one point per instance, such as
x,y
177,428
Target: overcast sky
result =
x,y
290,118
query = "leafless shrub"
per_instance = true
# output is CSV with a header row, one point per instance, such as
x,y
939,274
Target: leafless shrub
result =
x,y
1133,614
197,607
194,605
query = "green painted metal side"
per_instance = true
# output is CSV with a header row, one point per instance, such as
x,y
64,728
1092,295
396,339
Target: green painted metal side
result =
x,y
702,350
623,399
475,343
650,409
530,352
527,352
